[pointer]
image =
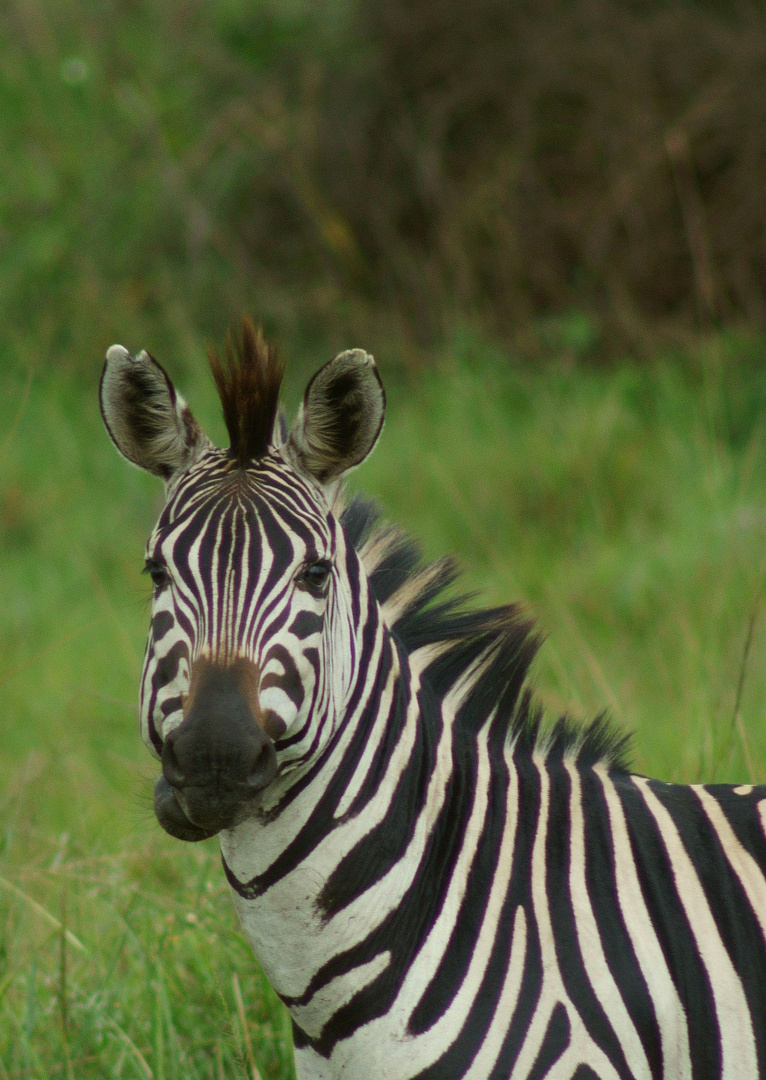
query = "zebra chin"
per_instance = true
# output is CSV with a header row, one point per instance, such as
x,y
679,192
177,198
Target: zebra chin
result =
x,y
174,819
197,814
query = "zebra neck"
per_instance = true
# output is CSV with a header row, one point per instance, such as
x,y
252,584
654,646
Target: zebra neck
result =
x,y
324,874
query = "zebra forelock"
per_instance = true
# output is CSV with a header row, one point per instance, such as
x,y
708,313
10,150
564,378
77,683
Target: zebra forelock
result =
x,y
248,384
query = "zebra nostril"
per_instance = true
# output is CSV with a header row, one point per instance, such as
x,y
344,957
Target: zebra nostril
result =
x,y
171,770
264,768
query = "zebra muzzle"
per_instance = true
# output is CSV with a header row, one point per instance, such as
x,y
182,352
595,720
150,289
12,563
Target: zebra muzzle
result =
x,y
219,759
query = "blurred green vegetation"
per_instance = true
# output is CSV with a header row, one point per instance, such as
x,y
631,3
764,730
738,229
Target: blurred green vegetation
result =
x,y
157,175
167,168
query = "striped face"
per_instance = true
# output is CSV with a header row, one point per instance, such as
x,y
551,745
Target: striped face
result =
x,y
251,648
244,567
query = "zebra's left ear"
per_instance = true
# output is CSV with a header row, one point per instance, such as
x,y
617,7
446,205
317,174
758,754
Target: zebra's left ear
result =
x,y
340,419
149,423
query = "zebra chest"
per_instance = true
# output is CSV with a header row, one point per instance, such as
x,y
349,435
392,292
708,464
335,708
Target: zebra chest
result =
x,y
286,931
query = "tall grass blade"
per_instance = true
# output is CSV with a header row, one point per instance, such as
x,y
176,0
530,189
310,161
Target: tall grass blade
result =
x,y
43,913
131,1047
245,1032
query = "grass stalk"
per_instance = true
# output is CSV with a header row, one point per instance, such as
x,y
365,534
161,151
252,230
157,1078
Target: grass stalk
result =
x,y
131,1047
43,913
63,989
245,1032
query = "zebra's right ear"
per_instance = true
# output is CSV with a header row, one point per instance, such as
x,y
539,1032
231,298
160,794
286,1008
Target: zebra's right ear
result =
x,y
149,423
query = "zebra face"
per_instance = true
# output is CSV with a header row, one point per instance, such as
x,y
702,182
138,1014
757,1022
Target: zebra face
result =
x,y
251,614
242,563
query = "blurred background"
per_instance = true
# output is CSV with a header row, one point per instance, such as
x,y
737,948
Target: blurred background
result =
x,y
547,221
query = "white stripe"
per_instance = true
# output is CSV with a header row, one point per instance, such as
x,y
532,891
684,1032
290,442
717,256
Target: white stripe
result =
x,y
589,940
484,1061
373,742
738,1054
216,600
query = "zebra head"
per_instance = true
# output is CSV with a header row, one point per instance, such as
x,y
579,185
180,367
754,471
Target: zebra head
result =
x,y
248,659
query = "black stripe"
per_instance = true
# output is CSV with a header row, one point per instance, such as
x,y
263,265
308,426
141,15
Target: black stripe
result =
x,y
734,918
459,950
584,1072
520,895
554,1044
564,918
600,878
161,624
306,623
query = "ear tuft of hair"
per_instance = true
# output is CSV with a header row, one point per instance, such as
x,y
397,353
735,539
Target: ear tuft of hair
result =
x,y
149,423
340,418
248,384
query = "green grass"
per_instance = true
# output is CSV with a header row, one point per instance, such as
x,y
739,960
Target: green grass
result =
x,y
627,509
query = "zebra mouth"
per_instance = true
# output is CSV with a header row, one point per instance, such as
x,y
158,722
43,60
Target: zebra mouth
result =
x,y
218,760
173,818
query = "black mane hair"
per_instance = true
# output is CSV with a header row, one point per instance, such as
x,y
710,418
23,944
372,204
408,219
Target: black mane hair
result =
x,y
248,384
491,648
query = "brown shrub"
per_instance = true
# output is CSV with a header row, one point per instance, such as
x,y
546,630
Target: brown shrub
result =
x,y
362,168
506,160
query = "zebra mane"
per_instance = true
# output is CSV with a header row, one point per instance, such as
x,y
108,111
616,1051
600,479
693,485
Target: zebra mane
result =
x,y
490,649
248,385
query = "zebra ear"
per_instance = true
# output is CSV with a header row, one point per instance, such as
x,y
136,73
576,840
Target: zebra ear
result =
x,y
340,419
149,423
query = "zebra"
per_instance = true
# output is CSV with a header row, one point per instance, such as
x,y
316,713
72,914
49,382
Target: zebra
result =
x,y
437,884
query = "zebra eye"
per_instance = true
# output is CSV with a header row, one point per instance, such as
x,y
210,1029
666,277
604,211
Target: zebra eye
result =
x,y
157,571
315,577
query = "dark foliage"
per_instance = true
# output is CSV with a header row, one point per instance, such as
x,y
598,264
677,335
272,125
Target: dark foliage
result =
x,y
511,168
565,175
536,158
